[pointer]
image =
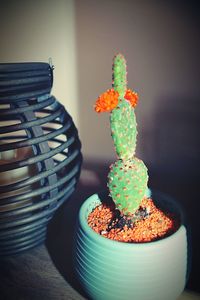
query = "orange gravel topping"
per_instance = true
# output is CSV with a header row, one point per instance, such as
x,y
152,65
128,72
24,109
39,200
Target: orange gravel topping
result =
x,y
149,228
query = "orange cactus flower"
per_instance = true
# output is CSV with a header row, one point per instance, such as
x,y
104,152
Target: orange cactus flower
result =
x,y
132,97
107,101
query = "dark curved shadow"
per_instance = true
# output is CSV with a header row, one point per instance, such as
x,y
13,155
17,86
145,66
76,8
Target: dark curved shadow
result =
x,y
60,233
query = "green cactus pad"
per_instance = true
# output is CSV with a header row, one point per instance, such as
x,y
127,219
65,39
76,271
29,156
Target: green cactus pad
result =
x,y
124,129
119,75
127,183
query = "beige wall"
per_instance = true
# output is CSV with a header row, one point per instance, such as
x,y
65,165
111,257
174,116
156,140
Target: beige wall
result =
x,y
160,41
36,30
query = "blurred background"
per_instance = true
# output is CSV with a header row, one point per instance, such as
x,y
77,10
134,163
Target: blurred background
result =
x,y
161,42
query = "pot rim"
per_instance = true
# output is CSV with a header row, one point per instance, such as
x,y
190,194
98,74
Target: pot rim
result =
x,y
94,200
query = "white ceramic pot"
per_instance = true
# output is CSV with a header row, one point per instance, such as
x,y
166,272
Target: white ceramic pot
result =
x,y
112,270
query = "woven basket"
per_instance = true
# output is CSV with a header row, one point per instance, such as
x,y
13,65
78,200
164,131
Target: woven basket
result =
x,y
40,157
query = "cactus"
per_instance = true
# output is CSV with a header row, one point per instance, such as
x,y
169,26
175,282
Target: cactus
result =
x,y
127,179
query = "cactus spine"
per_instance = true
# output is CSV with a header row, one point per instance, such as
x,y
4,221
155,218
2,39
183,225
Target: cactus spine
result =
x,y
127,179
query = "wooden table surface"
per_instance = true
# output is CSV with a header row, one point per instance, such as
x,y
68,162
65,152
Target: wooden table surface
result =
x,y
46,271
33,275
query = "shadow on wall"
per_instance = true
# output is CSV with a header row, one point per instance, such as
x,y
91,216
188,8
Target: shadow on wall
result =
x,y
159,39
176,136
176,163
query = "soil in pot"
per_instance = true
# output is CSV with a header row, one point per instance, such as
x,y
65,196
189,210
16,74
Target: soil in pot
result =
x,y
149,223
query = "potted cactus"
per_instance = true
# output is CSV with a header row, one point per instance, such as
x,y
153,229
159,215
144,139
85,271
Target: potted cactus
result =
x,y
130,242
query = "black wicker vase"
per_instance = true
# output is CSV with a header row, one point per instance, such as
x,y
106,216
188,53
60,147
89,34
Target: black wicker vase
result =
x,y
40,156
